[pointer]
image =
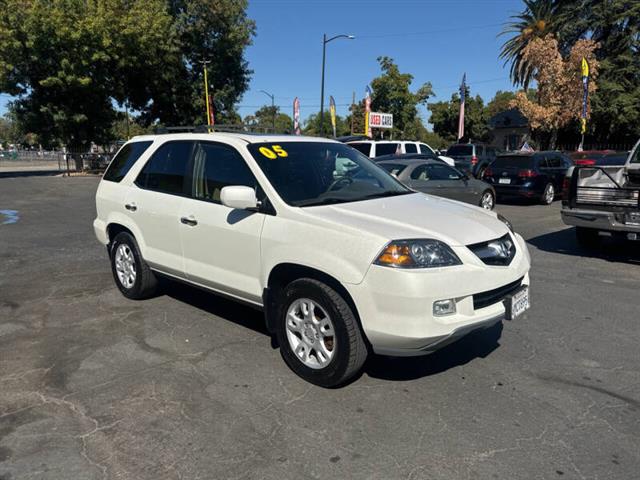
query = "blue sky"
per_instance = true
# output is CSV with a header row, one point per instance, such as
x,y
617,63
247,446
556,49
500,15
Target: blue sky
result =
x,y
434,40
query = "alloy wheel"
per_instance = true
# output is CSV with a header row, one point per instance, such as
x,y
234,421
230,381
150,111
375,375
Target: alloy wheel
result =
x,y
310,333
125,266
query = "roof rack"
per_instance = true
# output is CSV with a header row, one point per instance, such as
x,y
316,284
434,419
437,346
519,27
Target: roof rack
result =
x,y
229,128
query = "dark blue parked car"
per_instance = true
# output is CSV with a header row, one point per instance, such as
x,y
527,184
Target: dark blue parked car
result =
x,y
536,175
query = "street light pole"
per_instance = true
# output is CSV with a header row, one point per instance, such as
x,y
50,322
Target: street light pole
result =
x,y
273,109
326,40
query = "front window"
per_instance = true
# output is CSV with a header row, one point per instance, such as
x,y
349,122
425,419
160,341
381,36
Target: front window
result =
x,y
316,173
424,148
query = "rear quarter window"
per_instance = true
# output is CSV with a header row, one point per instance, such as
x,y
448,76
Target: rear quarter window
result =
x,y
124,160
364,148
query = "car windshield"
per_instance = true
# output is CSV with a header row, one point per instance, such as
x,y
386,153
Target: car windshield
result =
x,y
519,161
460,150
318,173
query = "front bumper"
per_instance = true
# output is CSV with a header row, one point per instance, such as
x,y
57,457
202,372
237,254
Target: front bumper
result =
x,y
396,305
598,220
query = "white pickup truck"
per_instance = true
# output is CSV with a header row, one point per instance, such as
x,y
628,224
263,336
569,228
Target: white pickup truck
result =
x,y
604,200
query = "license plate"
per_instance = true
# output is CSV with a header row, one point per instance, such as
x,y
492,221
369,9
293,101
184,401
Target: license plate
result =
x,y
516,304
504,180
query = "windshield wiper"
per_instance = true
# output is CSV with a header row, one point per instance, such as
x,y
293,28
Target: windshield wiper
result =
x,y
389,193
324,201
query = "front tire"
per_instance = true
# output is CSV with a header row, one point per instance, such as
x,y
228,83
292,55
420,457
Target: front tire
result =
x,y
133,277
488,200
319,336
548,194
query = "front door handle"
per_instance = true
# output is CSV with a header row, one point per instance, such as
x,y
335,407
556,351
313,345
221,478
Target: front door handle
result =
x,y
131,207
192,222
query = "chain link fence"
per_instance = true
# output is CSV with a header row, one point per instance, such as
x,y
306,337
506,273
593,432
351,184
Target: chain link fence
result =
x,y
56,161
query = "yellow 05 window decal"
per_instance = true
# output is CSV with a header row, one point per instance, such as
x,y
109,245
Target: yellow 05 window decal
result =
x,y
267,153
274,152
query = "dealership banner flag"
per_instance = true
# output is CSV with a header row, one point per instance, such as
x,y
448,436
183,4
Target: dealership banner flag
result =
x,y
367,110
585,95
212,117
296,116
463,92
332,111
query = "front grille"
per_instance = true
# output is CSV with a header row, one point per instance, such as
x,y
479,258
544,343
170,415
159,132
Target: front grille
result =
x,y
498,252
484,299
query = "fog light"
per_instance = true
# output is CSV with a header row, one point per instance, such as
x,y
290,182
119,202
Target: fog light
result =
x,y
444,307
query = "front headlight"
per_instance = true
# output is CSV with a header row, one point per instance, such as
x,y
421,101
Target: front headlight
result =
x,y
427,253
506,222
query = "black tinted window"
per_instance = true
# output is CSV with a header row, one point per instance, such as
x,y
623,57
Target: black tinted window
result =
x,y
393,168
435,172
460,150
554,161
166,169
362,148
124,160
217,166
387,149
425,149
410,148
516,161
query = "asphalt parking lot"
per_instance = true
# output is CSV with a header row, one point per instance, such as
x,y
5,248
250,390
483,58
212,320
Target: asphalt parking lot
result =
x,y
188,385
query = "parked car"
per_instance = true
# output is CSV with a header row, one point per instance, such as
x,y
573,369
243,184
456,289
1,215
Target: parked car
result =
x,y
472,158
603,199
379,148
437,178
534,175
599,157
409,156
341,263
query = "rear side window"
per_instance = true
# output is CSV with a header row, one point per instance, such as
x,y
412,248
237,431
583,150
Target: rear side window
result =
x,y
387,149
460,150
393,168
166,169
124,160
410,148
515,161
362,148
217,166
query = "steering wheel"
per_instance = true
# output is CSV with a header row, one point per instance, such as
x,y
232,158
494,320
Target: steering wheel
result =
x,y
335,183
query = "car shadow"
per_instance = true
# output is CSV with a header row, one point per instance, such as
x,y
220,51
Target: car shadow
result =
x,y
229,310
478,344
610,249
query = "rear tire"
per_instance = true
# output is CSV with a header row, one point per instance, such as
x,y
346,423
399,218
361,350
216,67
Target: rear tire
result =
x,y
587,237
132,275
548,195
324,360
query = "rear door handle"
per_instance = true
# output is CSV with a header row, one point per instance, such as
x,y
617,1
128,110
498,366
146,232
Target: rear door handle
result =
x,y
131,207
192,222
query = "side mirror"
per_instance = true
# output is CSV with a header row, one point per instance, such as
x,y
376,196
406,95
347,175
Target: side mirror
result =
x,y
239,197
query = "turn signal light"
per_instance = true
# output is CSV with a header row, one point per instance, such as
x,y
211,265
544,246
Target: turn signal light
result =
x,y
527,173
396,255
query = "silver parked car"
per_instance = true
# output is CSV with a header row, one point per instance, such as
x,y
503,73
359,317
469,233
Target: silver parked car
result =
x,y
437,178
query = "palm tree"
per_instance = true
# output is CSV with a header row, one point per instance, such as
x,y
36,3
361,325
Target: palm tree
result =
x,y
536,20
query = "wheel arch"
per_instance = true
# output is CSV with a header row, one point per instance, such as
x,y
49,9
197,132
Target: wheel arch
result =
x,y
283,274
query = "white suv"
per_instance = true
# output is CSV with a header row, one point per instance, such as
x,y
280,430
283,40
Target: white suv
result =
x,y
379,148
342,257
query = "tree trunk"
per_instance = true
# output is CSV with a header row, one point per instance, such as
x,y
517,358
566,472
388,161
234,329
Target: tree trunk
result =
x,y
554,139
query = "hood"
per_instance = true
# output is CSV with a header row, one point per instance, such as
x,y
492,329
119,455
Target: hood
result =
x,y
415,216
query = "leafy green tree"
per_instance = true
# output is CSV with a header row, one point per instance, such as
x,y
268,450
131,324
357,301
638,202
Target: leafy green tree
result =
x,y
264,119
311,125
392,94
535,21
499,103
70,61
445,114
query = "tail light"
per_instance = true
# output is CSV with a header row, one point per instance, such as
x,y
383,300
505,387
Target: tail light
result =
x,y
474,160
487,173
585,161
527,173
